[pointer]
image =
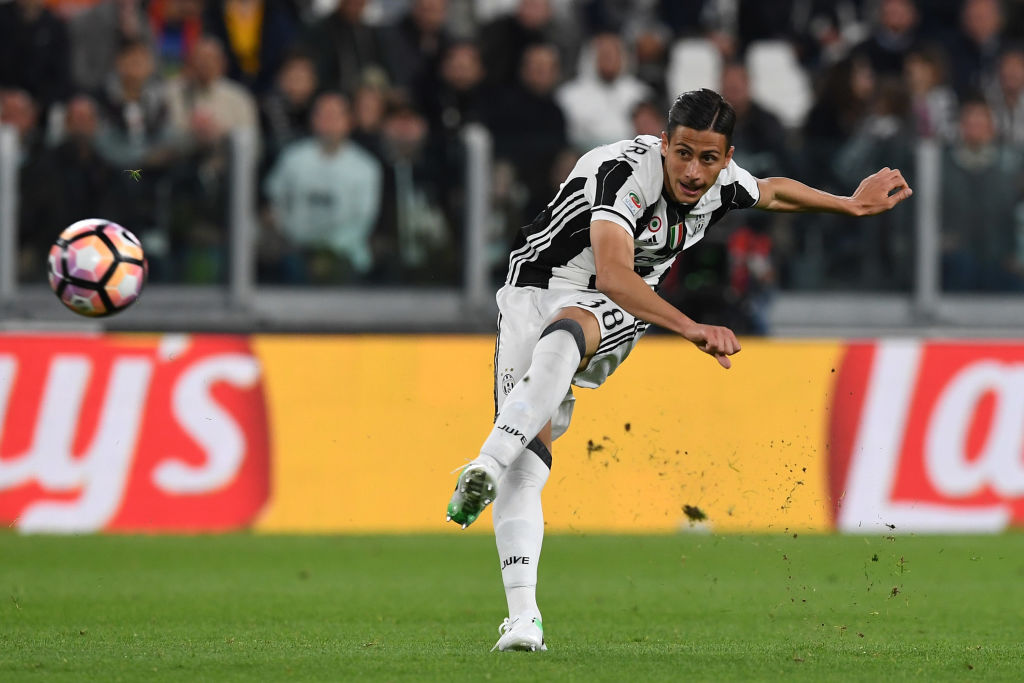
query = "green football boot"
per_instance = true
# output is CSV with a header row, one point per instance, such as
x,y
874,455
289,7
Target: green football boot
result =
x,y
476,488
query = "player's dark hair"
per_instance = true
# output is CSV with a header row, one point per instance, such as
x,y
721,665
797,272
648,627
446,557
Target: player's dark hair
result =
x,y
702,109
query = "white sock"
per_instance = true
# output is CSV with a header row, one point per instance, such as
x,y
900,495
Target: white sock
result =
x,y
519,531
522,600
534,399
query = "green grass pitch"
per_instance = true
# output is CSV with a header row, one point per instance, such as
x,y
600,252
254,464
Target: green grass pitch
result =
x,y
422,608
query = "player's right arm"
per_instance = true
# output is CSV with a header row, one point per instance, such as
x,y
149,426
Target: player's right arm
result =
x,y
613,254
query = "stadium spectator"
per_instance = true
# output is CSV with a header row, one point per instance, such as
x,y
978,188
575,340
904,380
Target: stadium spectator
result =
x,y
824,31
933,103
876,252
205,108
34,54
19,110
641,28
203,86
650,57
842,101
416,43
1006,97
414,242
716,23
981,183
974,50
96,35
345,48
60,186
135,112
759,137
460,96
893,37
504,40
528,125
194,207
256,35
597,106
648,118
324,201
285,110
176,26
368,109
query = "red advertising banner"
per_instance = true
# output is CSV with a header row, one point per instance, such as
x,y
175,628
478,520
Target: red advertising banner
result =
x,y
928,436
128,433
122,433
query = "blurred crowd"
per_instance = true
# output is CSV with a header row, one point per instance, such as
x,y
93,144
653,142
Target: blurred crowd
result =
x,y
359,106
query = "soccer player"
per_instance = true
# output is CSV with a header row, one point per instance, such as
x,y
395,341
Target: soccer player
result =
x,y
580,293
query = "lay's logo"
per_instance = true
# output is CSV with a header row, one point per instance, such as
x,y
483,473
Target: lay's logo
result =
x,y
123,434
928,437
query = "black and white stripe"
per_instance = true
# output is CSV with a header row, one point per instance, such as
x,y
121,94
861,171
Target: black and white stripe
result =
x,y
622,183
610,341
569,209
567,233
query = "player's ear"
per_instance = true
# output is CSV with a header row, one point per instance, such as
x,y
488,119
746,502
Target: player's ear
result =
x,y
664,143
728,155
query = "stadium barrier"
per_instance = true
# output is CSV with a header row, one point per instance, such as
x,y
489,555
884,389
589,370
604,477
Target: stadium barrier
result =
x,y
359,434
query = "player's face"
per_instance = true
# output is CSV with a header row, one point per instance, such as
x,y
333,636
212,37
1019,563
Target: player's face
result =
x,y
693,160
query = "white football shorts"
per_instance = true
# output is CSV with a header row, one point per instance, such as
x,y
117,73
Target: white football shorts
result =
x,y
524,312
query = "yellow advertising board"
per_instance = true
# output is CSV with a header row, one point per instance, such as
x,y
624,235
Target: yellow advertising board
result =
x,y
366,431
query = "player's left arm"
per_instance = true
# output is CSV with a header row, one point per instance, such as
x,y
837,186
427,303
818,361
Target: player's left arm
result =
x,y
877,193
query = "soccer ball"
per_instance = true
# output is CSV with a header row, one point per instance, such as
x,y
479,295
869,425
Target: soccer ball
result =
x,y
97,268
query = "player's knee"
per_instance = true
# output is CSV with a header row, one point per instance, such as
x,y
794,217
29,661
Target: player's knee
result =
x,y
571,326
538,448
588,321
529,472
520,480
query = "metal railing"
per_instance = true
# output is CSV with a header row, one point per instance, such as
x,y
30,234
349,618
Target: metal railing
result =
x,y
926,284
242,218
8,214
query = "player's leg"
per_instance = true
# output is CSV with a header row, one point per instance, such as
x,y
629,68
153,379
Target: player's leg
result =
x,y
564,347
519,535
518,516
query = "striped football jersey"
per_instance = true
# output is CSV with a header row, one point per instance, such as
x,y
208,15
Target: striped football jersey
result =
x,y
623,183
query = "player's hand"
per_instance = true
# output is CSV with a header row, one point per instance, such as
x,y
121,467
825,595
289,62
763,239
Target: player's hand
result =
x,y
880,192
716,341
